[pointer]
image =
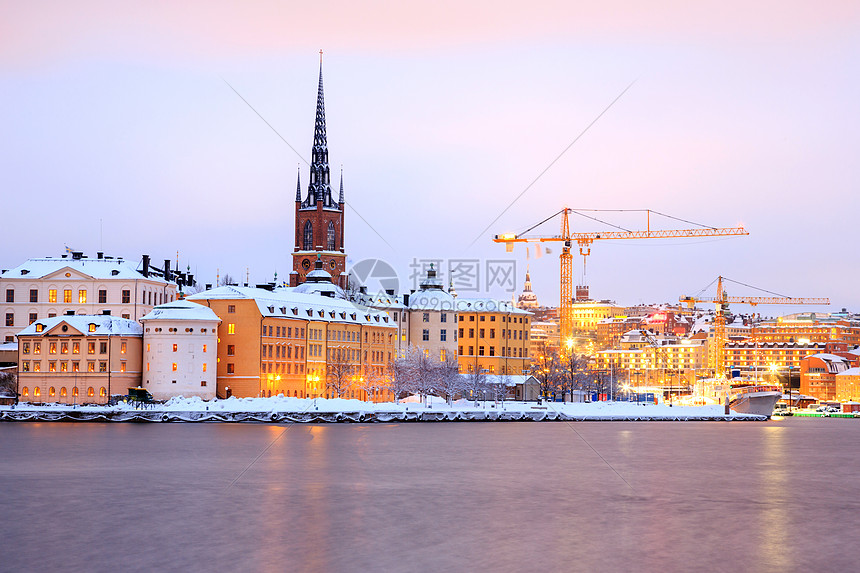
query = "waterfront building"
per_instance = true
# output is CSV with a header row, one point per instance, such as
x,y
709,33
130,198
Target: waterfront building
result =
x,y
319,223
808,327
847,385
398,314
78,359
293,343
432,320
755,359
544,336
493,336
56,286
586,314
819,372
656,359
180,341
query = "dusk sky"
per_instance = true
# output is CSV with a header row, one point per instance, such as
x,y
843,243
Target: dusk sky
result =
x,y
441,114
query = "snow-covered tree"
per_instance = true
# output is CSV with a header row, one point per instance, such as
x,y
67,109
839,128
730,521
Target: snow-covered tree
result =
x,y
450,382
339,372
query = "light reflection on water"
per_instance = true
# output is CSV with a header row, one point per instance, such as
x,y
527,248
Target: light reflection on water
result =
x,y
413,497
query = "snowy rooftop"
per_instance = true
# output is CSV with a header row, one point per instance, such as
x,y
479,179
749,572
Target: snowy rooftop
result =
x,y
181,310
488,305
850,372
380,300
104,326
95,268
290,304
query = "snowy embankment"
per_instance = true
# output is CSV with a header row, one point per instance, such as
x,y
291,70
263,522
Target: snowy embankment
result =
x,y
282,409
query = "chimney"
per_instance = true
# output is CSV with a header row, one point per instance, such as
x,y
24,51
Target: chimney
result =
x,y
167,270
100,255
145,271
76,255
190,279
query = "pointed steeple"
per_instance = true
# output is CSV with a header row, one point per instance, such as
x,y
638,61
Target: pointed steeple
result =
x,y
528,286
319,188
299,184
340,200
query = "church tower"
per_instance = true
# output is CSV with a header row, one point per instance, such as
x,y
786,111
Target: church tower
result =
x,y
319,218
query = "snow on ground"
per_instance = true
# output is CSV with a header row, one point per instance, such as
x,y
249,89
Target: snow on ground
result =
x,y
281,404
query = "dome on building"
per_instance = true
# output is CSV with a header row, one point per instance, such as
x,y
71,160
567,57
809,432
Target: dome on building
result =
x,y
431,295
527,299
318,281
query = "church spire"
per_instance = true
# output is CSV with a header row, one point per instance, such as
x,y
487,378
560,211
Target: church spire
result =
x,y
299,184
340,200
319,188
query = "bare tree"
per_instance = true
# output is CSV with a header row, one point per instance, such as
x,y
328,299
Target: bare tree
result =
x,y
339,372
8,382
575,375
546,372
500,387
399,377
475,384
226,280
372,383
450,382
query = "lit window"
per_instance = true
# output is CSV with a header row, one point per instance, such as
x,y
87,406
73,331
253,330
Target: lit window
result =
x,y
231,308
92,327
40,327
64,366
52,348
122,366
231,328
76,347
175,368
204,367
123,347
25,349
76,366
52,391
175,347
25,366
204,348
37,391
102,392
64,392
91,392
82,296
52,295
102,366
37,366
67,295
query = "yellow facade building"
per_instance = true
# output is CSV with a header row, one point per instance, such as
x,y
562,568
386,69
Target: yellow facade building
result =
x,y
492,337
291,343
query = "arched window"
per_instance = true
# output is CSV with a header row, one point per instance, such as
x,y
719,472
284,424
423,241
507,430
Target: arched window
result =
x,y
75,391
63,392
25,391
52,392
91,392
37,392
102,392
309,237
331,246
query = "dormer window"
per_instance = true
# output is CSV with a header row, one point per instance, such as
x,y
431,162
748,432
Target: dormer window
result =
x,y
272,309
310,311
25,271
343,315
114,272
92,327
332,313
321,313
40,327
295,310
283,310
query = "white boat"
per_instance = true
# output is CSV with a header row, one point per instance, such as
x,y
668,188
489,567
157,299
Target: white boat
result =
x,y
754,398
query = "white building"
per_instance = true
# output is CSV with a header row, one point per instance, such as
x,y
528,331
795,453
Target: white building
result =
x,y
432,321
51,286
180,350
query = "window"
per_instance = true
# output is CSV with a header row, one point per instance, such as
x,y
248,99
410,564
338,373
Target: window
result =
x,y
204,367
67,295
25,391
175,367
103,347
52,348
102,296
37,392
443,335
492,333
175,347
25,348
32,317
37,366
82,296
64,347
76,367
443,317
91,348
37,348
480,333
25,367
122,366
126,296
480,351
63,392
230,368
10,319
231,308
34,295
102,366
92,327
203,383
52,366
425,334
123,346
52,295
231,328
52,391
91,366
330,236
308,242
204,348
91,392
102,392
10,295
231,350
461,333
492,350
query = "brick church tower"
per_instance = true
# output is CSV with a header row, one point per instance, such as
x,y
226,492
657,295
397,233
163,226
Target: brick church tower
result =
x,y
319,219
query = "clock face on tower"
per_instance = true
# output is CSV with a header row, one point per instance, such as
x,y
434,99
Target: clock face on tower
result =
x,y
306,264
331,263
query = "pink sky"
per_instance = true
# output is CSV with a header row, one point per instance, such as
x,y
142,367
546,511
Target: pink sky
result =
x,y
440,113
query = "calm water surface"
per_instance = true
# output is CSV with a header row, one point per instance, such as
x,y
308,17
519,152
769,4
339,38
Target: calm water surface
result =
x,y
782,496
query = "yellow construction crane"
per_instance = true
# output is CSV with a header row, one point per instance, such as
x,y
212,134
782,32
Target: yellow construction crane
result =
x,y
585,240
722,300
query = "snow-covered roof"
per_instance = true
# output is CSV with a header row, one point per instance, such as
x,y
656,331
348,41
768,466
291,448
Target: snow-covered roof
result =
x,y
487,305
8,347
850,372
287,303
431,299
105,325
181,310
95,268
380,300
317,287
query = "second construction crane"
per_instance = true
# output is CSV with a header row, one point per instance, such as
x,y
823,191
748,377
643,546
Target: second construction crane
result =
x,y
585,240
